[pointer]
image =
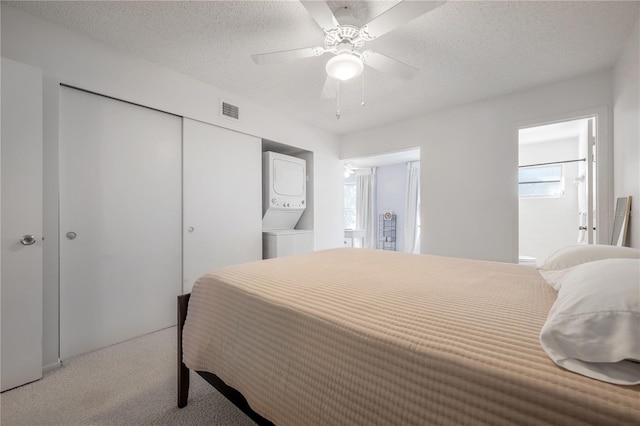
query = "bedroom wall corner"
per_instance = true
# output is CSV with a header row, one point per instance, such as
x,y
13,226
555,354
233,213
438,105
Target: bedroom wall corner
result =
x,y
626,127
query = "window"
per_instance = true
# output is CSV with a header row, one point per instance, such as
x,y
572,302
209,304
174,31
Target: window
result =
x,y
541,181
350,205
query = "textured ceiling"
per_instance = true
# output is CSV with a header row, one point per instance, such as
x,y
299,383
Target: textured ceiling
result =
x,y
466,51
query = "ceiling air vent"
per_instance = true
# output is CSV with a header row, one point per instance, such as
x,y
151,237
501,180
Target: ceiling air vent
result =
x,y
229,111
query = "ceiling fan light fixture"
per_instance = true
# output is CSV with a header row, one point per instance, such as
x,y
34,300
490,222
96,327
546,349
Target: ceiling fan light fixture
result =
x,y
344,66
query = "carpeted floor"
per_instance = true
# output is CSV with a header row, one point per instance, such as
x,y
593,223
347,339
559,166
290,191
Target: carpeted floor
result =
x,y
131,383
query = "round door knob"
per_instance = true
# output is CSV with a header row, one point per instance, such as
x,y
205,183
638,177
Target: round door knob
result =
x,y
28,240
71,235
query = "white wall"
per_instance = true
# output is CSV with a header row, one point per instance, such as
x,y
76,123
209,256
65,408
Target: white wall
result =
x,y
75,60
549,223
626,110
469,162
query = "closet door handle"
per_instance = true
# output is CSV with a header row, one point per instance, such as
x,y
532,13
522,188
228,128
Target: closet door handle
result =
x,y
28,240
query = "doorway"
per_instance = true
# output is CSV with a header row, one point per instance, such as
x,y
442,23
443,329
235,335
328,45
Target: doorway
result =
x,y
382,201
556,184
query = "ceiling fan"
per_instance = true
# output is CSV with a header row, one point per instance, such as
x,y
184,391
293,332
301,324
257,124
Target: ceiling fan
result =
x,y
346,42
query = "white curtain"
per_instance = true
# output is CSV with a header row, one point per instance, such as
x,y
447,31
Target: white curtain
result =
x,y
411,227
366,205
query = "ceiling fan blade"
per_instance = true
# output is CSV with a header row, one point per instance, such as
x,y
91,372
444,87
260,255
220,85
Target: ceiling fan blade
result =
x,y
320,12
391,66
397,16
287,55
330,88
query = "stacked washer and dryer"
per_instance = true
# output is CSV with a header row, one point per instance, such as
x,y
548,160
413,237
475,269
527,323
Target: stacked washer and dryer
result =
x,y
284,194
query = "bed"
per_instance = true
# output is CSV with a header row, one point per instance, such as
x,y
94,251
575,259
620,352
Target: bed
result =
x,y
354,336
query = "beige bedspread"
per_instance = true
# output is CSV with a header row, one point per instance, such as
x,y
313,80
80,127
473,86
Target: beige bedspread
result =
x,y
360,337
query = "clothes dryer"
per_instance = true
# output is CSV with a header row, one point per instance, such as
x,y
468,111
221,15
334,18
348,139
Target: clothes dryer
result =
x,y
284,190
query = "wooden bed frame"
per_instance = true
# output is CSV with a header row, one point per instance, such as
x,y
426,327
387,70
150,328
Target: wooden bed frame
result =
x,y
183,374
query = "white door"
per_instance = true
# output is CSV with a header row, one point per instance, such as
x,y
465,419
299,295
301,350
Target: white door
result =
x,y
590,180
120,221
222,174
21,288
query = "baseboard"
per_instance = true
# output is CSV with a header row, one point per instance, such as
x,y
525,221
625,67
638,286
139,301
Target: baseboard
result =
x,y
50,367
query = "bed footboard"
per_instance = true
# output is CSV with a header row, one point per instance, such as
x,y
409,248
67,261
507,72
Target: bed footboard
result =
x,y
183,371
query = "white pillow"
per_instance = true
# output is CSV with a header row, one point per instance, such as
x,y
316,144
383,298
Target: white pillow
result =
x,y
554,277
593,327
578,254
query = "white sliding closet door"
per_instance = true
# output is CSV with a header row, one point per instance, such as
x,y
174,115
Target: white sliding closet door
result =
x,y
120,221
222,199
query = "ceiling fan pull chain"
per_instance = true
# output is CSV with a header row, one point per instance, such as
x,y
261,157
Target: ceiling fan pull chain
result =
x,y
362,95
338,102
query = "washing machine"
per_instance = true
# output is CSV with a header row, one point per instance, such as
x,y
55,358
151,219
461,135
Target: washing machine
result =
x,y
286,242
284,200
